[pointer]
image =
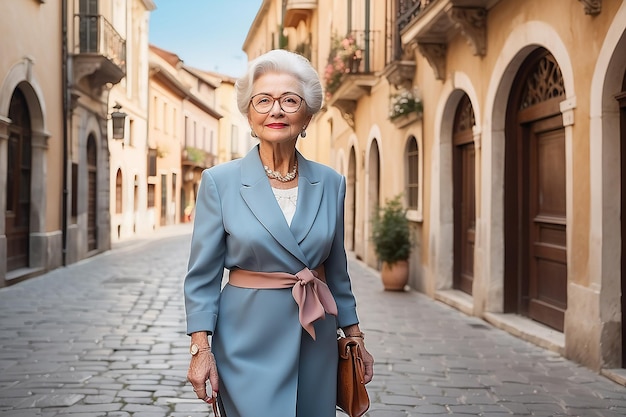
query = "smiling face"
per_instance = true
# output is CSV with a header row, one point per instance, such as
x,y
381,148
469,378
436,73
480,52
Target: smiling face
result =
x,y
276,125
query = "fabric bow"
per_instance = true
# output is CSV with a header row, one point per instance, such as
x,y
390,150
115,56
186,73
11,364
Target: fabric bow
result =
x,y
314,299
310,293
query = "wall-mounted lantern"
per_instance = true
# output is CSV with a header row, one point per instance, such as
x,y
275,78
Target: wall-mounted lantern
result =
x,y
119,122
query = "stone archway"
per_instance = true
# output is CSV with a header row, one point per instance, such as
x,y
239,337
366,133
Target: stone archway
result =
x,y
18,184
606,268
535,194
373,195
621,98
464,190
350,206
20,78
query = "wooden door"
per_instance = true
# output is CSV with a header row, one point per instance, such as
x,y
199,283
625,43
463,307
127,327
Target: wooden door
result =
x,y
163,217
546,222
535,194
464,196
92,194
17,215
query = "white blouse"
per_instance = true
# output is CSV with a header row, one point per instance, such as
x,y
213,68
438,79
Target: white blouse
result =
x,y
287,200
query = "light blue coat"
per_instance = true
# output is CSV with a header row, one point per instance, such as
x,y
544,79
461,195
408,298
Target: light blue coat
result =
x,y
268,365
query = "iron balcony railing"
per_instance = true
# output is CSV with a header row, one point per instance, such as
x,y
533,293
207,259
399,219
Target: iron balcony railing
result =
x,y
406,12
95,35
409,9
357,50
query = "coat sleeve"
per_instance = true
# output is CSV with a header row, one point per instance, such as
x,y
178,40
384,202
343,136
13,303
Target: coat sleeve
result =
x,y
336,268
203,280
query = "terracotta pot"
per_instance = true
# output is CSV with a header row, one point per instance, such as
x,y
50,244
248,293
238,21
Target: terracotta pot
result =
x,y
395,276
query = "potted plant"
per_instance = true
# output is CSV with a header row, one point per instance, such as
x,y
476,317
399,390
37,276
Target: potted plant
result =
x,y
391,237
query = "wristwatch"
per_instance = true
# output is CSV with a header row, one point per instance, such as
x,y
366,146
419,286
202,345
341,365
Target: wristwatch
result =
x,y
194,349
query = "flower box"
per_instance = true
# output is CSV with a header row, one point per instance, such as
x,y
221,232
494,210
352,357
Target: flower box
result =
x,y
406,119
405,107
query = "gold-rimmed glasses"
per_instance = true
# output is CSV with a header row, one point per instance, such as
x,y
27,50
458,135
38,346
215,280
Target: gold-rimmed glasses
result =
x,y
288,102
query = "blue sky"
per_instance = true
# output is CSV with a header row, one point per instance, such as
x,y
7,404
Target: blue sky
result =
x,y
205,34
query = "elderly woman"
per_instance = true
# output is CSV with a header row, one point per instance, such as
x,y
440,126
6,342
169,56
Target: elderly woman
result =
x,y
274,220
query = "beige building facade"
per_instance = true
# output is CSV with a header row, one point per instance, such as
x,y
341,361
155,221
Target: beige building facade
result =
x,y
504,141
31,140
130,214
183,135
234,131
101,137
57,102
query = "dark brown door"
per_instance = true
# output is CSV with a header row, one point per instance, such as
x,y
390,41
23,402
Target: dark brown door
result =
x,y
547,249
464,196
17,215
622,107
92,193
535,194
163,199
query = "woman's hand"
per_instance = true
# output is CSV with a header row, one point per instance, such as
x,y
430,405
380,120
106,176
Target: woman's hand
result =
x,y
355,333
368,361
202,368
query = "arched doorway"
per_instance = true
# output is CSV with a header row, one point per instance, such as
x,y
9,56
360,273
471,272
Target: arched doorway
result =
x,y
535,194
373,196
464,177
622,116
92,193
19,164
119,192
351,201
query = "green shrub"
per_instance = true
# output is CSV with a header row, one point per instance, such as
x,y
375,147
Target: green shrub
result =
x,y
391,234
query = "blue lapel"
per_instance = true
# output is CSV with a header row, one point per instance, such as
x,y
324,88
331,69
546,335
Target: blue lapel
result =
x,y
310,190
257,193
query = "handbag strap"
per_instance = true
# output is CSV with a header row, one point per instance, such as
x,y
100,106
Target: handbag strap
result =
x,y
357,360
213,402
350,349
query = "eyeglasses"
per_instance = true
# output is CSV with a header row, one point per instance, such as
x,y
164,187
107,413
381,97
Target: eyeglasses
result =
x,y
288,102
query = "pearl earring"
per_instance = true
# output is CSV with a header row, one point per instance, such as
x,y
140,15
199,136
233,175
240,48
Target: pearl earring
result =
x,y
303,134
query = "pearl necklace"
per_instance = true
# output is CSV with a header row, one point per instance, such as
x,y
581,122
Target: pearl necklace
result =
x,y
278,176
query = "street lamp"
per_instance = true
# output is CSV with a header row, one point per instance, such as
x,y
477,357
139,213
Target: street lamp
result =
x,y
119,122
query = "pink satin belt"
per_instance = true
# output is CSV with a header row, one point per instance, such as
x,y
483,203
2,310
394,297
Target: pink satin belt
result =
x,y
312,295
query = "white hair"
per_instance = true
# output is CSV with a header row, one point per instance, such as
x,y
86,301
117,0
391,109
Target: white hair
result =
x,y
281,61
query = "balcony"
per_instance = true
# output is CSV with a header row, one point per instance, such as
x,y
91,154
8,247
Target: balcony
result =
x,y
197,158
297,11
430,24
349,74
400,62
100,52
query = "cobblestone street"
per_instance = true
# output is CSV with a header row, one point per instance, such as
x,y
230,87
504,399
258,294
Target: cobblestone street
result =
x,y
105,337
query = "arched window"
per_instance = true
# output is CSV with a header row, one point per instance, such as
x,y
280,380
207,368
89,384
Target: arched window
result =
x,y
413,179
118,192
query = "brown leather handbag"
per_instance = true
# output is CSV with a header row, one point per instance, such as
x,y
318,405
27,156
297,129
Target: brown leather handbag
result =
x,y
352,396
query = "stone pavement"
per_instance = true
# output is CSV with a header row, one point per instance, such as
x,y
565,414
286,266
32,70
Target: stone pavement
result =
x,y
105,337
